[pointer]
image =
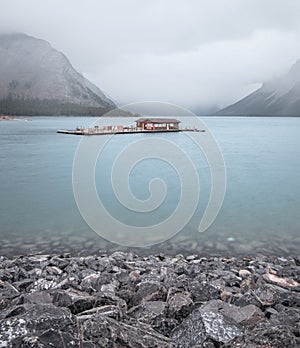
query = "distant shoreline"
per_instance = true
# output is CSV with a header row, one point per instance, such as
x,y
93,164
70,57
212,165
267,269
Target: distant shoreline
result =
x,y
18,117
14,118
7,118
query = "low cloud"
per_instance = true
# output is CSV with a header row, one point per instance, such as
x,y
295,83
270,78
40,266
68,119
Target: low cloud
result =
x,y
198,54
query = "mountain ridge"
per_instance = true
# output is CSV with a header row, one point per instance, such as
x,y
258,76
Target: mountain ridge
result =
x,y
38,79
278,97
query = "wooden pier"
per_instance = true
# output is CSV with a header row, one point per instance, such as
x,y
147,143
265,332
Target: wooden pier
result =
x,y
143,125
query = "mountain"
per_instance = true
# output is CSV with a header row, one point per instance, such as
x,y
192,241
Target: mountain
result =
x,y
279,97
36,79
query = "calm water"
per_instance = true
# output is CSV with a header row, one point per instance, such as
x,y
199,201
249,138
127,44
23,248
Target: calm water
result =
x,y
260,213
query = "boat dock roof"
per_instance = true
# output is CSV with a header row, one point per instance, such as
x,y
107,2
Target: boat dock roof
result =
x,y
157,120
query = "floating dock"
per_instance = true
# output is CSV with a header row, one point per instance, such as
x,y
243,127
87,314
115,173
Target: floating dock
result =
x,y
143,125
93,131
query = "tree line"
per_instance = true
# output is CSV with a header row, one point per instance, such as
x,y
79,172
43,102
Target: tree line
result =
x,y
47,107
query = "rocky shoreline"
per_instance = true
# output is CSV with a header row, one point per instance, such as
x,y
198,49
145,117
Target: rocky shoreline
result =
x,y
125,300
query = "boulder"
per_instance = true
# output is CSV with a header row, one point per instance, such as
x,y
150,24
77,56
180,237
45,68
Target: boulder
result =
x,y
201,326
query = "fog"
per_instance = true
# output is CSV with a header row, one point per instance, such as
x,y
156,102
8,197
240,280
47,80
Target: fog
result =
x,y
200,54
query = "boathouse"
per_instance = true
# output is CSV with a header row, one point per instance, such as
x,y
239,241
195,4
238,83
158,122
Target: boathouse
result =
x,y
157,123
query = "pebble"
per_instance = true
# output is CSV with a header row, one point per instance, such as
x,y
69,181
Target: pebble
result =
x,y
243,273
225,294
134,275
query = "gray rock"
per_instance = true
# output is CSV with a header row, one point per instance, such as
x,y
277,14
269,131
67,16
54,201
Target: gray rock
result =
x,y
106,332
149,291
289,318
5,275
23,284
57,338
203,291
248,315
152,312
262,296
148,311
90,281
106,299
39,297
8,291
200,326
179,305
190,332
266,335
34,321
76,301
191,257
31,342
219,328
12,329
60,262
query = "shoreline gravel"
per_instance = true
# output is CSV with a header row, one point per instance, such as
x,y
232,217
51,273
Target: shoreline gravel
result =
x,y
124,300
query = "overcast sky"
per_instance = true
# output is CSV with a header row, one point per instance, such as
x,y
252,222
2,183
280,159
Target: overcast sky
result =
x,y
195,53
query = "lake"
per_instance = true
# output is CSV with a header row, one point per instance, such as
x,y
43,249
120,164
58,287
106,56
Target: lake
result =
x,y
38,212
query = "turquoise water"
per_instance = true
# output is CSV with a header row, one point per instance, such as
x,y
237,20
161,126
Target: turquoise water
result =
x,y
260,212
